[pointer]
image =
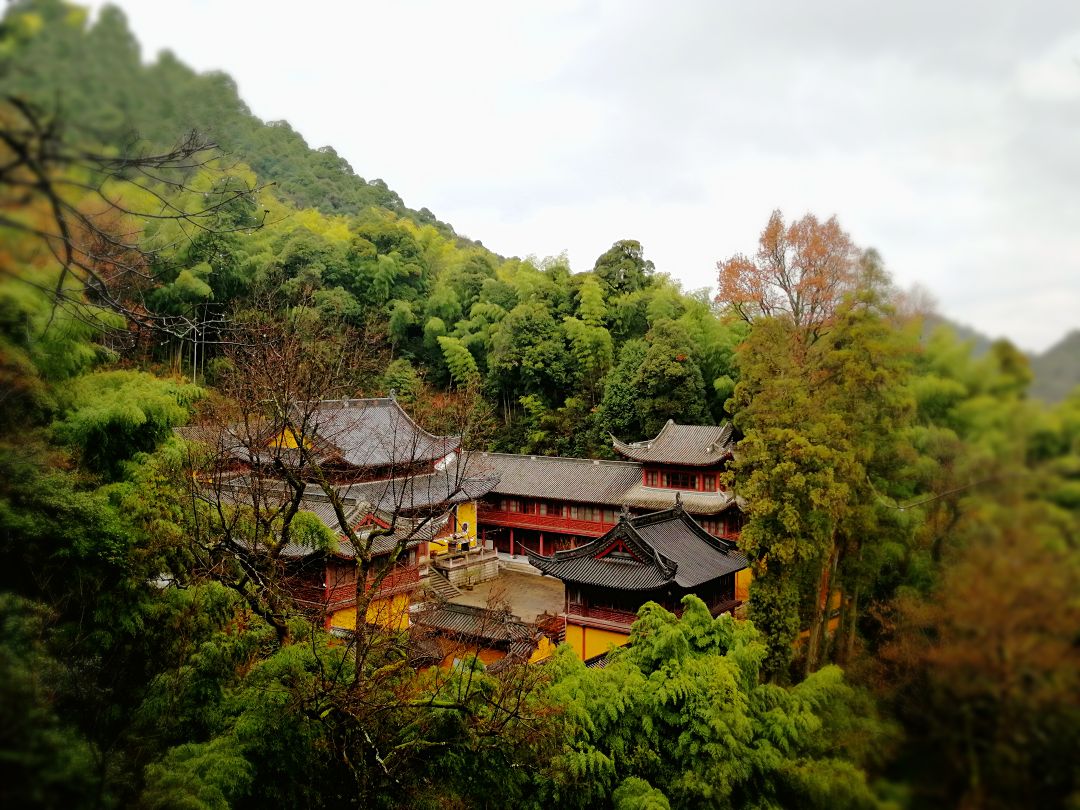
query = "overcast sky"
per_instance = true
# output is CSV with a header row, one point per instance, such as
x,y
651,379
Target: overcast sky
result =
x,y
945,134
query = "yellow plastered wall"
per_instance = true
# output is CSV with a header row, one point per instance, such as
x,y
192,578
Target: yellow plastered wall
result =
x,y
287,440
461,652
544,649
742,584
392,612
466,513
591,641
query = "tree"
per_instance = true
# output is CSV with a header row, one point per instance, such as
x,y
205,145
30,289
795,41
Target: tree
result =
x,y
680,716
824,433
88,209
669,381
623,268
801,271
985,670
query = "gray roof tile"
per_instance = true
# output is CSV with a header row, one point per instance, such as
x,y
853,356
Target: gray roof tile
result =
x,y
667,548
567,479
377,432
693,445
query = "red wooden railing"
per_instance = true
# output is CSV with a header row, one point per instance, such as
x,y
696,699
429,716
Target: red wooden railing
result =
x,y
627,617
398,578
526,520
602,613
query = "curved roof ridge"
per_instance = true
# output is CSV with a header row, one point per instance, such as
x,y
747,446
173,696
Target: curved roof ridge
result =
x,y
644,547
690,445
383,402
576,459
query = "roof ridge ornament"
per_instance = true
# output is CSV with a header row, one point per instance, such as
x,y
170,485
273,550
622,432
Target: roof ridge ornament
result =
x,y
624,513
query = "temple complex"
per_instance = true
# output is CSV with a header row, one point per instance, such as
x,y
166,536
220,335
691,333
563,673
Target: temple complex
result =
x,y
653,526
543,504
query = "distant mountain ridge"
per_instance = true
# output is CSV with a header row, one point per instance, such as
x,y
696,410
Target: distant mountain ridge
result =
x,y
1056,370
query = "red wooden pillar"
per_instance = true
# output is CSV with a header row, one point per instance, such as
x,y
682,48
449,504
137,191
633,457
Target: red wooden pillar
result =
x,y
541,544
513,551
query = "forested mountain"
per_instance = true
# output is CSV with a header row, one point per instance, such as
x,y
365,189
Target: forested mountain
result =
x,y
912,515
565,356
1057,370
92,75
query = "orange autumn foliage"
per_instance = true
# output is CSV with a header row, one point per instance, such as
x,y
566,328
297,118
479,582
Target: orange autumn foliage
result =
x,y
800,271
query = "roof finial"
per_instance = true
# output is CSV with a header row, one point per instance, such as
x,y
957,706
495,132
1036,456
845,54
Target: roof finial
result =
x,y
392,394
624,512
678,500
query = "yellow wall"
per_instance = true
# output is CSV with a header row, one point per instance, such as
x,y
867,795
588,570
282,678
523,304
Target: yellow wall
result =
x,y
590,641
543,650
742,584
461,652
466,513
463,513
287,440
392,612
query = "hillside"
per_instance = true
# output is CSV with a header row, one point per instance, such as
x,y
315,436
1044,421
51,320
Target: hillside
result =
x,y
92,75
1057,370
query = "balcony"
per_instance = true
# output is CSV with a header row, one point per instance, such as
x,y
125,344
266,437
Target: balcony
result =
x,y
398,580
613,618
602,616
543,523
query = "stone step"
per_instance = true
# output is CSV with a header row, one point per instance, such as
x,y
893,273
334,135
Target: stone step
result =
x,y
441,586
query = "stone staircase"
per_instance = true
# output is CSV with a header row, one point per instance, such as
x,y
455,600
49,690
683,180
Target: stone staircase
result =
x,y
440,587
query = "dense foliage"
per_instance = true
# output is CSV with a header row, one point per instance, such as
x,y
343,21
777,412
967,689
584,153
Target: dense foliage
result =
x,y
912,515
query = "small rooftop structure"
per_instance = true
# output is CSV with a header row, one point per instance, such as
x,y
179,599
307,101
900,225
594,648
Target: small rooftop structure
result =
x,y
390,534
688,445
483,628
652,552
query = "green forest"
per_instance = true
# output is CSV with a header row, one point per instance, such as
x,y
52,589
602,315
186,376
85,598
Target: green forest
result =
x,y
159,243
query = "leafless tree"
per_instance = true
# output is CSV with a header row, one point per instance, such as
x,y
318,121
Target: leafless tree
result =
x,y
88,208
270,450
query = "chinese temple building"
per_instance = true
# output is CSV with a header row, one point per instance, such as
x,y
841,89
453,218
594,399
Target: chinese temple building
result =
x,y
543,504
323,582
658,557
496,637
368,440
655,525
405,488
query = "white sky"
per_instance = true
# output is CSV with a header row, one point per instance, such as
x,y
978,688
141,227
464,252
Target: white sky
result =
x,y
946,134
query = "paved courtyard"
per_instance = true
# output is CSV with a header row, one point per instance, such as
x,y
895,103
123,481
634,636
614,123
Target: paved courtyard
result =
x,y
528,595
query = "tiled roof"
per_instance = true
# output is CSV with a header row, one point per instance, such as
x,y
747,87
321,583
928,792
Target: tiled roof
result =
x,y
435,490
693,445
699,503
598,661
376,433
558,478
477,623
406,531
698,556
666,548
